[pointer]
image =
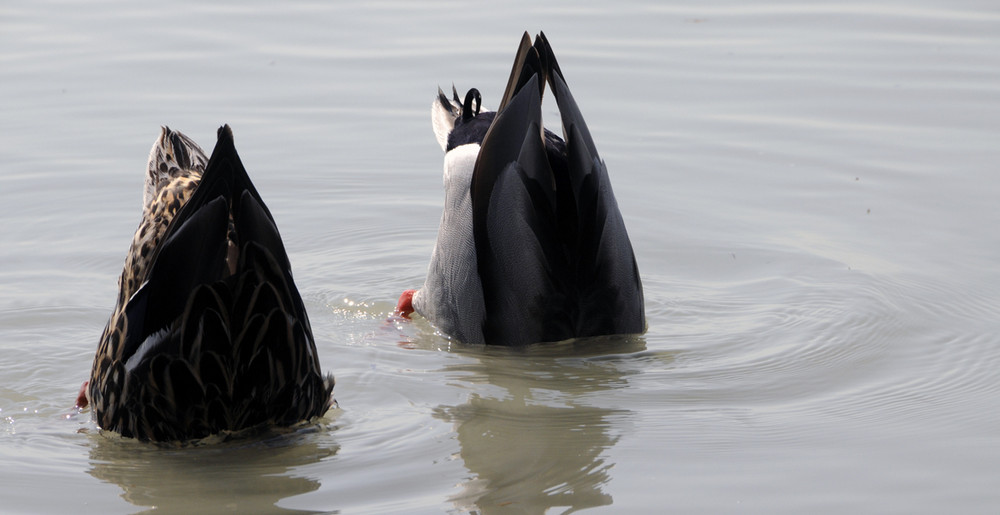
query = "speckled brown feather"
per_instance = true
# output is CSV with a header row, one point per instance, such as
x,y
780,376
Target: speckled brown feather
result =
x,y
174,171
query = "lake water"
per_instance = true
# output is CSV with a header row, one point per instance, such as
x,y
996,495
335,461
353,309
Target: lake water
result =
x,y
811,190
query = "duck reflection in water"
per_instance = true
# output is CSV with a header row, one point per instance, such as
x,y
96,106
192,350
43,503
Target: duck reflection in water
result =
x,y
241,476
541,441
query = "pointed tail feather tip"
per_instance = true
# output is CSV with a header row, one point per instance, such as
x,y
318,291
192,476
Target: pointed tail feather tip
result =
x,y
224,132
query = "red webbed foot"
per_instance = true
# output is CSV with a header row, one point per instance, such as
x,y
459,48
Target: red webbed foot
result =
x,y
81,398
405,305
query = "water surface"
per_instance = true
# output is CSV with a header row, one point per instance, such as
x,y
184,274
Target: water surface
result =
x,y
810,189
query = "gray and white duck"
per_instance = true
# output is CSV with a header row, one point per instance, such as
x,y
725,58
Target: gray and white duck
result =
x,y
532,246
209,334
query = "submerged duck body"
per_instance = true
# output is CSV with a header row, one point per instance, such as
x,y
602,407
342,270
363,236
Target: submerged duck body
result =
x,y
209,333
532,246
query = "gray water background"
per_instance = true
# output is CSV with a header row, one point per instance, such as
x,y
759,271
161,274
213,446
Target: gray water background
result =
x,y
810,188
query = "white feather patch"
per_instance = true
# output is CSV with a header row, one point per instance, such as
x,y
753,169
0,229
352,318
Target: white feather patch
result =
x,y
443,120
459,164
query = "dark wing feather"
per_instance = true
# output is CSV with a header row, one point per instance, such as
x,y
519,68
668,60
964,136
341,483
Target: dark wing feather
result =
x,y
552,251
526,64
607,274
190,254
521,265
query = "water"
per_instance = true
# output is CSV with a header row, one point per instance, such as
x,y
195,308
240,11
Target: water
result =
x,y
810,189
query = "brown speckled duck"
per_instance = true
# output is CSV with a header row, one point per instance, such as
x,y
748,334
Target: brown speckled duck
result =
x,y
209,334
